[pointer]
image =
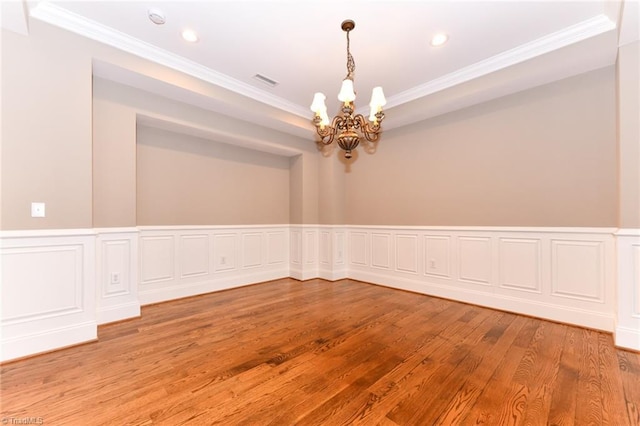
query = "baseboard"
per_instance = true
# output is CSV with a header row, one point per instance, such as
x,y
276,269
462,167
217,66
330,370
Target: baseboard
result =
x,y
333,274
563,314
151,295
109,314
627,338
31,344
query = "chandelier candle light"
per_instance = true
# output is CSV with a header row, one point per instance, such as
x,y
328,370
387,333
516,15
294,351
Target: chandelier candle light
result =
x,y
348,127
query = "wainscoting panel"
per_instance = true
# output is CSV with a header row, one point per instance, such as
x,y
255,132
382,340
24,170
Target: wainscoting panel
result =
x,y
296,248
627,334
225,251
520,264
406,258
194,255
437,256
381,251
332,265
325,247
252,250
277,247
310,253
475,260
305,252
157,258
561,274
208,259
359,248
577,269
635,298
58,285
48,290
117,274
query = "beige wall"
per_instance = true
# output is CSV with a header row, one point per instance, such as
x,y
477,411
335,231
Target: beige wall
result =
x,y
47,144
543,157
114,161
304,188
331,190
183,180
116,110
46,132
628,70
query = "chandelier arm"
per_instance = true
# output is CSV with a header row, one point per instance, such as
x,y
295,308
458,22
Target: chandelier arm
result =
x,y
329,132
370,131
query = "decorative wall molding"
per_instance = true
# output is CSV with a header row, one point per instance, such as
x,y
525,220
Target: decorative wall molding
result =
x,y
186,261
318,251
48,290
560,274
627,332
304,252
57,285
117,274
591,27
55,15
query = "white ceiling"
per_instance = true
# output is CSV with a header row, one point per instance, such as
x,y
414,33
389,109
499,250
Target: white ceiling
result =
x,y
299,44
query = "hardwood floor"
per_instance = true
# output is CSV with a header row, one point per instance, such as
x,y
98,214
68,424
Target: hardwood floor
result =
x,y
315,352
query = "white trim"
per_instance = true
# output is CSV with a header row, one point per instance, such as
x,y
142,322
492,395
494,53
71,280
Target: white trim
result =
x,y
627,338
475,272
628,289
628,232
63,18
116,253
36,233
553,312
581,31
609,302
124,230
517,229
227,259
208,227
58,267
48,340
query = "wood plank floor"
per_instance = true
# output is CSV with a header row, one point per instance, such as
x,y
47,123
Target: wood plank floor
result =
x,y
316,353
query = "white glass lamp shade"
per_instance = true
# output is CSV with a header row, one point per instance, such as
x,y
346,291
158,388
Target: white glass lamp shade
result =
x,y
377,98
377,102
346,91
318,105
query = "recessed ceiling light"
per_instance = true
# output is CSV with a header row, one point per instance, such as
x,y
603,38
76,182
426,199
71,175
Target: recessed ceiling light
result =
x,y
156,16
439,39
190,36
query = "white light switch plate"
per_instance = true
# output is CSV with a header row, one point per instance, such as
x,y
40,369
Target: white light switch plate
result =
x,y
37,209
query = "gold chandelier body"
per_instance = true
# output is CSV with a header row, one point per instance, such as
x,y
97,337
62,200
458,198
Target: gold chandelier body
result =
x,y
348,128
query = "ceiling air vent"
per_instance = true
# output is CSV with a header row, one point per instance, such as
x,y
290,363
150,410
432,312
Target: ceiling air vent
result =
x,y
266,80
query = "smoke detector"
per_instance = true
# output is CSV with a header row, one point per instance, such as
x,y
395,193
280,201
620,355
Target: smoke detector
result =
x,y
156,16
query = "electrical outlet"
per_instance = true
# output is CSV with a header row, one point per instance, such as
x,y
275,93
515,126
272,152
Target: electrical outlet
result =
x,y
115,278
223,260
432,263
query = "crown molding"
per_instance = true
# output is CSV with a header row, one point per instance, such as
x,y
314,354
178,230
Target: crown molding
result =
x,y
570,35
60,17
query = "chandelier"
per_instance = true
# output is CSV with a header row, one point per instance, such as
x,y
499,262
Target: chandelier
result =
x,y
347,127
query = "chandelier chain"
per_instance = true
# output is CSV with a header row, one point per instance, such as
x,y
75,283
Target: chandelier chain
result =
x,y
351,64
